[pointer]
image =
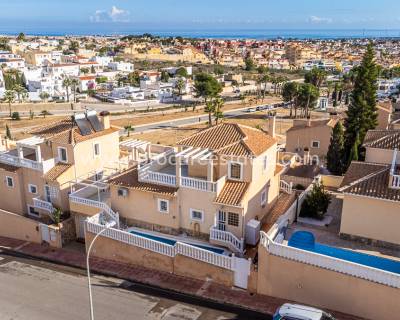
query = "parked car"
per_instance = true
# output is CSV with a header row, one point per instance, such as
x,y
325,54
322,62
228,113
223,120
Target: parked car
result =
x,y
290,311
251,110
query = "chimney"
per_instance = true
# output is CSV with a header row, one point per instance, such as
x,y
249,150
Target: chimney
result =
x,y
271,126
306,156
105,119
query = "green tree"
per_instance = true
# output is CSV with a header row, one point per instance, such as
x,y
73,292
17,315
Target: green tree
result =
x,y
179,86
20,91
4,44
134,79
21,37
218,104
249,64
74,46
263,80
128,129
45,113
15,116
44,96
67,84
181,72
316,77
74,86
206,87
290,93
8,132
9,97
362,112
336,150
308,96
164,76
316,203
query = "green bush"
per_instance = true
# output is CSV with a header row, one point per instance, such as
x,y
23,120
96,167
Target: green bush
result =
x,y
316,202
15,116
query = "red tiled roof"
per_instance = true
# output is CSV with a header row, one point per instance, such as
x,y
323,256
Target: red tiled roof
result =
x,y
232,193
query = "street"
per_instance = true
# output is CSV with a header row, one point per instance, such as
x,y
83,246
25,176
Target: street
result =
x,y
38,290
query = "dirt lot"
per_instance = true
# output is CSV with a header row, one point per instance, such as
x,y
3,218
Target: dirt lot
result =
x,y
134,120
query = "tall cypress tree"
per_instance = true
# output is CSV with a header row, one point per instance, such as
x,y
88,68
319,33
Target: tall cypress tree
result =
x,y
336,149
362,112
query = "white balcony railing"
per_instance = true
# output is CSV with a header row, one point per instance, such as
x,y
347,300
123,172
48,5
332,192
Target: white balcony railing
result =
x,y
286,187
394,178
228,239
44,205
198,184
96,204
330,263
20,162
158,178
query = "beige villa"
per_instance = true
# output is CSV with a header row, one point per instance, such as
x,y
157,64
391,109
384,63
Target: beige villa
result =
x,y
310,135
209,187
38,172
371,189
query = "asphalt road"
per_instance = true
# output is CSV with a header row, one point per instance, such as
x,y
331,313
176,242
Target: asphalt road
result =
x,y
38,290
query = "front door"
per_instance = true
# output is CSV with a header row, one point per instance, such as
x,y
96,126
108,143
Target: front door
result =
x,y
221,220
47,193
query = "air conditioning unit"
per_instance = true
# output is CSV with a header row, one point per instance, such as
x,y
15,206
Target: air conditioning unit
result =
x,y
122,192
253,232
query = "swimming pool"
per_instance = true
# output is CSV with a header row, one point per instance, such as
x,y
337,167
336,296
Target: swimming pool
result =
x,y
306,241
172,242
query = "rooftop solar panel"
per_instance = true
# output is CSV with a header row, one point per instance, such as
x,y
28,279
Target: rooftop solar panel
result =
x,y
94,121
83,124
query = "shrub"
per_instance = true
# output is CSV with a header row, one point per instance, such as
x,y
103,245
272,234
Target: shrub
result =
x,y
15,116
299,187
316,202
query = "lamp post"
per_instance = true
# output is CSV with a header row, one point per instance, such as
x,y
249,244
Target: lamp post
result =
x,y
106,227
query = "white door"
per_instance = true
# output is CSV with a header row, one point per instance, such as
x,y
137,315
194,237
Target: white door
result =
x,y
242,272
45,232
80,226
221,220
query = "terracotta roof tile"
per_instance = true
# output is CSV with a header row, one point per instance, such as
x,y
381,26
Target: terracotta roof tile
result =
x,y
231,139
382,139
314,124
129,179
358,170
56,171
232,193
375,184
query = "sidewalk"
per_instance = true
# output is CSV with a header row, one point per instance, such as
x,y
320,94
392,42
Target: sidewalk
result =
x,y
206,290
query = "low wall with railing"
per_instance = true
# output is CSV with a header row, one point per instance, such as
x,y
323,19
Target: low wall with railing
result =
x,y
158,255
310,278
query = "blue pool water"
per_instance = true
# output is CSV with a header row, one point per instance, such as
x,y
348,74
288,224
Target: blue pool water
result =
x,y
306,241
172,242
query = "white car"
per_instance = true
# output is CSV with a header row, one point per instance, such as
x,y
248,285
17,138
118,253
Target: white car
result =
x,y
298,312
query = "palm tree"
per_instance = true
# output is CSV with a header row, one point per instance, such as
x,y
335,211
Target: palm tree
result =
x,y
129,128
74,84
9,97
263,80
67,84
308,96
209,108
218,104
180,85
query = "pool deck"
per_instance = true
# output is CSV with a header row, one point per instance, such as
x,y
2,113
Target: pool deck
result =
x,y
330,235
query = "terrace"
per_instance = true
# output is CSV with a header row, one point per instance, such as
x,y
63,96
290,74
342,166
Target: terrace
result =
x,y
28,154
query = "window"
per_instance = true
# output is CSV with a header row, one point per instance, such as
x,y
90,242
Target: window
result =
x,y
163,206
233,219
96,149
62,154
196,215
263,197
122,192
265,162
10,182
315,144
235,171
32,188
32,211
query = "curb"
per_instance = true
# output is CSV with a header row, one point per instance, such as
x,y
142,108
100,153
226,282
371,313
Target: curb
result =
x,y
143,283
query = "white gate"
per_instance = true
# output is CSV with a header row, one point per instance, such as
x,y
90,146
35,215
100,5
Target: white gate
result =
x,y
45,232
242,272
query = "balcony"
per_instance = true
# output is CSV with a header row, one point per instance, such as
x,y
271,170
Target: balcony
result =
x,y
43,205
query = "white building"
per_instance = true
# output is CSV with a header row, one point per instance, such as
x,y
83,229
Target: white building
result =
x,y
121,66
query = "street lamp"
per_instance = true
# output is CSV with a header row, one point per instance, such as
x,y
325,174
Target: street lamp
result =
x,y
106,227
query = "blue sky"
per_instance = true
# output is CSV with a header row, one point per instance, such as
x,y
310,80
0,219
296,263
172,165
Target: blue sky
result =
x,y
203,14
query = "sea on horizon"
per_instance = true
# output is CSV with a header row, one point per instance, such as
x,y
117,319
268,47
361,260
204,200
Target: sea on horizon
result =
x,y
121,29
